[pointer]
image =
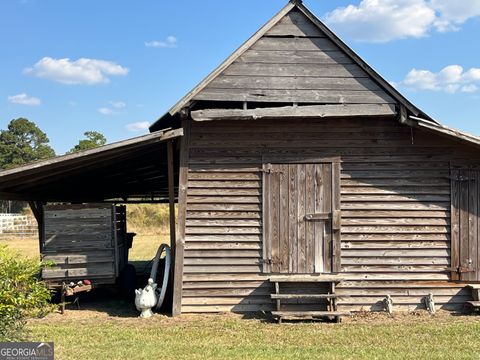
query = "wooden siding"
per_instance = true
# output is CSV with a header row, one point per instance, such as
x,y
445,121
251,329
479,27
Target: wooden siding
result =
x,y
295,62
395,202
84,242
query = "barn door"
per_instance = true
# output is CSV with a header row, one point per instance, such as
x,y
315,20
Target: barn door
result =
x,y
465,251
301,218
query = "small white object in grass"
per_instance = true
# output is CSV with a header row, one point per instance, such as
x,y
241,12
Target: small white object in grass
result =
x,y
145,299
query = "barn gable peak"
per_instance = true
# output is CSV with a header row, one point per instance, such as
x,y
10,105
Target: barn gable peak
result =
x,y
295,59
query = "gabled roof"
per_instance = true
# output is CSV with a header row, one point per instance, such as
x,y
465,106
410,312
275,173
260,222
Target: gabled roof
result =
x,y
318,34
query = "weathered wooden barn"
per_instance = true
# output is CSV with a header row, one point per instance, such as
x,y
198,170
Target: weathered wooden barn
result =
x,y
306,182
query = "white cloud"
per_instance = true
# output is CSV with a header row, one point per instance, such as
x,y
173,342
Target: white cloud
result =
x,y
169,42
112,110
24,99
453,13
117,104
106,111
386,20
450,79
79,72
469,88
138,126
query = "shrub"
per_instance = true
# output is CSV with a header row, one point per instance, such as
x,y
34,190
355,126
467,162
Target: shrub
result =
x,y
22,293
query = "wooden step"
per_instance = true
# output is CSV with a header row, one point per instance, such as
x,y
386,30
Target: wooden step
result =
x,y
308,314
327,278
303,296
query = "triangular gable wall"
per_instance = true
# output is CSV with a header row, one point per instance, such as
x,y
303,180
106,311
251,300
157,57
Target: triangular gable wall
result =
x,y
295,58
295,62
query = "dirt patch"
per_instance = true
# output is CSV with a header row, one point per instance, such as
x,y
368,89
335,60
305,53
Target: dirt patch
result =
x,y
105,307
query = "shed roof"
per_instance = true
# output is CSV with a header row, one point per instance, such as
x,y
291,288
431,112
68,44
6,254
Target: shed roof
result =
x,y
129,170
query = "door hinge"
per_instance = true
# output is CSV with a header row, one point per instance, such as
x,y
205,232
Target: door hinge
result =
x,y
269,170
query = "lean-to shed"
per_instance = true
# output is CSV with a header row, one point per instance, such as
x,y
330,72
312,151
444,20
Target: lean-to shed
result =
x,y
305,178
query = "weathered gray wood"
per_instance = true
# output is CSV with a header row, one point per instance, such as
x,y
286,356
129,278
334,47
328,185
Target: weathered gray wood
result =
x,y
337,218
293,218
222,245
397,231
292,83
309,226
171,192
315,111
302,296
245,46
292,57
296,96
308,314
306,278
303,44
301,209
182,211
299,70
283,217
294,27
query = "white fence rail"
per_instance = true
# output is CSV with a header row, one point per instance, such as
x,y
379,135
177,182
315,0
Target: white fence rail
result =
x,y
15,225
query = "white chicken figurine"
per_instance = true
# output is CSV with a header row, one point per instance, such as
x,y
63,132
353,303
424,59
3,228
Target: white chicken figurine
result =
x,y
146,298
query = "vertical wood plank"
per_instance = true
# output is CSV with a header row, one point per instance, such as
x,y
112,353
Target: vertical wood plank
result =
x,y
319,239
336,235
472,225
293,219
464,228
301,219
182,214
284,199
275,217
327,207
477,207
266,211
171,191
309,209
455,219
113,224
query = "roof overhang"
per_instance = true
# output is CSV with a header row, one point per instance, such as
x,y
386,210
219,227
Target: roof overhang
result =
x,y
443,130
129,170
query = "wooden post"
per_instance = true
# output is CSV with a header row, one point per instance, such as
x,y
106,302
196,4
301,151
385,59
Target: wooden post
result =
x,y
171,192
37,210
182,214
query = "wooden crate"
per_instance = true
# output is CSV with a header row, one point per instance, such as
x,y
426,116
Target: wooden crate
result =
x,y
84,241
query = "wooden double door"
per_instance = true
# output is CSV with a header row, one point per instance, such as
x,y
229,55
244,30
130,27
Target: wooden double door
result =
x,y
301,218
465,224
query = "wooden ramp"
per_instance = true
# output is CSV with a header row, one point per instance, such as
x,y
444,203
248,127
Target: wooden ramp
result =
x,y
306,297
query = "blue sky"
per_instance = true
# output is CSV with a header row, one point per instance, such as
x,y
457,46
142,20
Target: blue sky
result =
x,y
115,66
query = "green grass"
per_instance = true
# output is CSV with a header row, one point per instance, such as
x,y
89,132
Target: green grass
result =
x,y
228,337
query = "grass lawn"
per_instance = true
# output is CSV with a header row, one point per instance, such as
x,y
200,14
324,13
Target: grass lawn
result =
x,y
110,329
96,335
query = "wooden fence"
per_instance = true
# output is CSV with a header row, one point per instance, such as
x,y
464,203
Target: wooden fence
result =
x,y
16,225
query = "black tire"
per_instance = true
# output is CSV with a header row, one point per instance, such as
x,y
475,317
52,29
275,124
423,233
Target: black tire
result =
x,y
127,282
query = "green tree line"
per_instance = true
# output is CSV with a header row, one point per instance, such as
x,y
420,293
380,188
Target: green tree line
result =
x,y
23,142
